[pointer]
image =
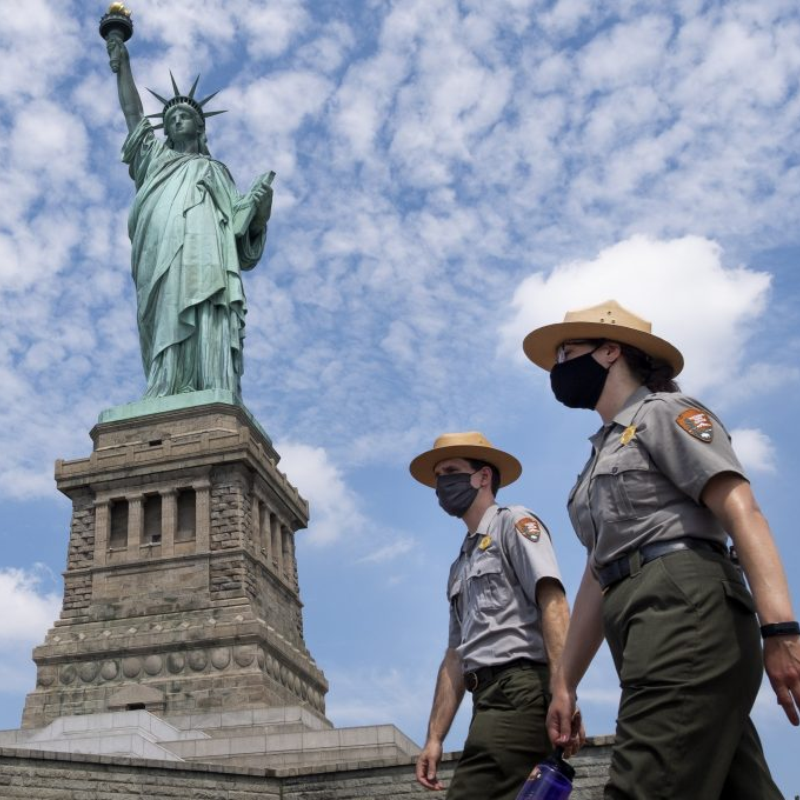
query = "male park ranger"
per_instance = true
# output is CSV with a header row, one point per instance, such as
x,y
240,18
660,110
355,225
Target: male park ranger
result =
x,y
508,622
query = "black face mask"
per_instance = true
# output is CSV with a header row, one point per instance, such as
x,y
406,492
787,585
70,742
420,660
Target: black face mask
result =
x,y
579,382
456,494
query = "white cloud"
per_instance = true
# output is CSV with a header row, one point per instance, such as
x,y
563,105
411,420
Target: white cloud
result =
x,y
278,103
273,26
599,691
31,608
565,16
37,39
755,450
328,52
369,697
455,149
334,506
45,137
707,310
760,378
389,552
626,53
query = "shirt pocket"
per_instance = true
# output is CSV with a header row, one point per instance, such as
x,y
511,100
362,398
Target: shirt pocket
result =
x,y
579,515
454,591
487,589
624,485
454,595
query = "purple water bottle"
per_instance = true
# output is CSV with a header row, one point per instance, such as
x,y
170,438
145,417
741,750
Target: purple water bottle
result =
x,y
550,780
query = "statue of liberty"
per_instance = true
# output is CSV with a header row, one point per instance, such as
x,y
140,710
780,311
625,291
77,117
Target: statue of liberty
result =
x,y
192,234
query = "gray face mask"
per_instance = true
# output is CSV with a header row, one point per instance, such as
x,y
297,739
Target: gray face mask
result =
x,y
456,494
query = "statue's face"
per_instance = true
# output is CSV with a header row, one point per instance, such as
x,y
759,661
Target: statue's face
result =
x,y
182,125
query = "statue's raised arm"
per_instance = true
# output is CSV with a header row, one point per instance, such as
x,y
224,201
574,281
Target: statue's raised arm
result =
x,y
116,28
129,99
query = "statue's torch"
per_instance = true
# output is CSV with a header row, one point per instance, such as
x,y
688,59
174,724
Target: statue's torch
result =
x,y
116,24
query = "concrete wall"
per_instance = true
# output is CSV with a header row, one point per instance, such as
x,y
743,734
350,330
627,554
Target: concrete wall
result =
x,y
32,775
28,775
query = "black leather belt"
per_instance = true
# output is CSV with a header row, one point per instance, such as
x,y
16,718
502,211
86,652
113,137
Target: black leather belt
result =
x,y
485,675
620,568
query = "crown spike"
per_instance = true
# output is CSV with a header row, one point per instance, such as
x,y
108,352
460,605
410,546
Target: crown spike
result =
x,y
158,127
153,116
210,97
183,99
158,97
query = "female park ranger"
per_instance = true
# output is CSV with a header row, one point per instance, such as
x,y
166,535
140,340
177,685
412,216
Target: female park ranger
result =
x,y
653,506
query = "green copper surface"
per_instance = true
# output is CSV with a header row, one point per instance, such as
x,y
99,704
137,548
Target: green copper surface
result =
x,y
177,402
192,235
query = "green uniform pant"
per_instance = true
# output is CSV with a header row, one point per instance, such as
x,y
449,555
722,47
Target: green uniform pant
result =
x,y
507,736
686,645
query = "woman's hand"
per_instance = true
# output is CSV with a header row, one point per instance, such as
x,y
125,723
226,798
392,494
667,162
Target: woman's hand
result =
x,y
117,52
782,664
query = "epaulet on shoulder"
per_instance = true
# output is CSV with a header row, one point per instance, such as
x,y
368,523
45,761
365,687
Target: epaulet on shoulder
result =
x,y
664,397
677,399
518,512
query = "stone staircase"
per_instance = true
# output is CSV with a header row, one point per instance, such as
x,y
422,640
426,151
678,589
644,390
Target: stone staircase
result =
x,y
280,737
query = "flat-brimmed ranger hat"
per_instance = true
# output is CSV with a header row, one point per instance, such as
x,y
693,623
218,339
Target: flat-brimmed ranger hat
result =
x,y
470,444
609,321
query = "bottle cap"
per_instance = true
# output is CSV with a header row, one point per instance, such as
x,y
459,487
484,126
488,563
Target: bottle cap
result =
x,y
559,764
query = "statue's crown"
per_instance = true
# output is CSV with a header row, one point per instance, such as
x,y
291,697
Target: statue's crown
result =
x,y
180,99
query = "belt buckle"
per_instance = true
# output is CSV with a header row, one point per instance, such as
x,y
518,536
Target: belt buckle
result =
x,y
471,681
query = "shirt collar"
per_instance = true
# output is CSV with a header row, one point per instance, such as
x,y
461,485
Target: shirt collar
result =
x,y
629,408
486,519
483,526
624,417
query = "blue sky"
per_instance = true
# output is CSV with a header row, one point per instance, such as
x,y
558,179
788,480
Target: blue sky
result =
x,y
449,176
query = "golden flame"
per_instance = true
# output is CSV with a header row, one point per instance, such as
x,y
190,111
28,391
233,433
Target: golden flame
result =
x,y
118,8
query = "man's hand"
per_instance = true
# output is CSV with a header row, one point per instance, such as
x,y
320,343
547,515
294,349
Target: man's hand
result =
x,y
564,723
577,735
427,764
782,663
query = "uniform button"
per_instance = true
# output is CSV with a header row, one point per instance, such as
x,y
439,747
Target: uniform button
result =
x,y
613,470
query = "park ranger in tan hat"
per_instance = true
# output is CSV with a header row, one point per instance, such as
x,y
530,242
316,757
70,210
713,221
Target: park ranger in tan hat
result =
x,y
508,623
654,507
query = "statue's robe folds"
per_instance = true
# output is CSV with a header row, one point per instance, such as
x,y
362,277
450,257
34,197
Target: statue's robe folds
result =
x,y
191,237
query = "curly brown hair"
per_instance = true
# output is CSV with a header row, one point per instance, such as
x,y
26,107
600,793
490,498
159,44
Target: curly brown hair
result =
x,y
654,373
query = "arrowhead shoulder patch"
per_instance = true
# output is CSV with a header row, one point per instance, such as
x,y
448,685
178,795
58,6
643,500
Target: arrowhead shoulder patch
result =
x,y
529,528
696,423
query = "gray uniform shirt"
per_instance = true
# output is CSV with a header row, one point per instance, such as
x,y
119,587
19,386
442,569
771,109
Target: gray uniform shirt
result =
x,y
645,476
494,617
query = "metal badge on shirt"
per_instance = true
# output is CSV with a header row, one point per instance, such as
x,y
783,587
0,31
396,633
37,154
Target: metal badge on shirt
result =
x,y
627,435
696,423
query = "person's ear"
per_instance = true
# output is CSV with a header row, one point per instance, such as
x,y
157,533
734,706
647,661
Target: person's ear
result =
x,y
610,353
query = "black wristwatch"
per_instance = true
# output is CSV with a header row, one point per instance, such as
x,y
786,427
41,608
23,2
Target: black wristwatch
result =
x,y
780,629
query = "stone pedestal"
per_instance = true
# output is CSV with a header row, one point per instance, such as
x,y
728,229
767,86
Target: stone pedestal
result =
x,y
181,592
